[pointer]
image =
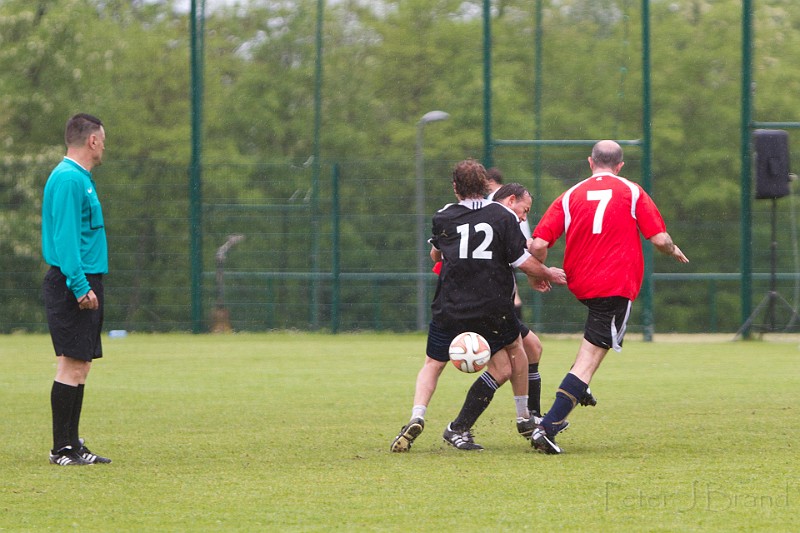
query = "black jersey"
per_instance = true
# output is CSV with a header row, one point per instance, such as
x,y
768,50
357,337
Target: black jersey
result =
x,y
481,242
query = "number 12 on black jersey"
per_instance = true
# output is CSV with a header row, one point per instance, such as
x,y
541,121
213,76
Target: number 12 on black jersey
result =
x,y
482,251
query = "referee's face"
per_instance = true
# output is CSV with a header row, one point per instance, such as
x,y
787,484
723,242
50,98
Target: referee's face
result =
x,y
97,143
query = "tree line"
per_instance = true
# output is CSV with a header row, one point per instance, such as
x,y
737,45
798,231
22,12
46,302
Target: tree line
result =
x,y
385,64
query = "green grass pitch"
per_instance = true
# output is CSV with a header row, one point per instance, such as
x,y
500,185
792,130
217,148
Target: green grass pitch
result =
x,y
291,432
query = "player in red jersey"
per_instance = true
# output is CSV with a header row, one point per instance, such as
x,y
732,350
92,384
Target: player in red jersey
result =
x,y
602,217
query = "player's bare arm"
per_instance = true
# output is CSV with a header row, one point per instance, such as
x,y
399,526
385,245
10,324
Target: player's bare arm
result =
x,y
663,243
532,267
541,276
538,248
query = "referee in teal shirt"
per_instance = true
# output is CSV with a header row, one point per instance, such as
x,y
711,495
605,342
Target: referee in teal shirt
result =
x,y
74,245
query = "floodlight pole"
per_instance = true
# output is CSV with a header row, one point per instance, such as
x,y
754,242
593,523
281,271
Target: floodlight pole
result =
x,y
222,319
646,294
422,255
488,144
197,24
316,168
746,217
220,257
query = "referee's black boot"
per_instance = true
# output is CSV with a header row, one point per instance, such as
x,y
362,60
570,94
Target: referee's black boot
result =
x,y
66,456
90,457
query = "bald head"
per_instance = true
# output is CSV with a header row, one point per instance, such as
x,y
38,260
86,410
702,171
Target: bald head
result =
x,y
606,156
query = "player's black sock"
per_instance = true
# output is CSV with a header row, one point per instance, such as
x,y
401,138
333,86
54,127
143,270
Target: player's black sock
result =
x,y
62,401
478,399
534,389
75,420
567,396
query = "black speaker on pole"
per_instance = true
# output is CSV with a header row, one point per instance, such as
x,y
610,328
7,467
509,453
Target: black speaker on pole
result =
x,y
772,163
772,182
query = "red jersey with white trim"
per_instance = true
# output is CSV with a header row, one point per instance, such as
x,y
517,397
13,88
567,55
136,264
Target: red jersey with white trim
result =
x,y
602,217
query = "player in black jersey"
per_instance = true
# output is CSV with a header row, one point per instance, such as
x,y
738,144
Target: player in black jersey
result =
x,y
479,244
527,400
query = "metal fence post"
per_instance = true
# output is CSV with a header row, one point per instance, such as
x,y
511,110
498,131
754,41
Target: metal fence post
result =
x,y
195,181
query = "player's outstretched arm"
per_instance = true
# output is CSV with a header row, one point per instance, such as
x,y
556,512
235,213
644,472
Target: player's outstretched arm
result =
x,y
557,275
541,276
663,243
538,248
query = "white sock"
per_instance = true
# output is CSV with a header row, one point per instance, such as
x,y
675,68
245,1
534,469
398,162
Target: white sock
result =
x,y
521,403
418,411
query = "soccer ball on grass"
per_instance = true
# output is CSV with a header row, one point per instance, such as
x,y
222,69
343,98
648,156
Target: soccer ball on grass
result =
x,y
470,352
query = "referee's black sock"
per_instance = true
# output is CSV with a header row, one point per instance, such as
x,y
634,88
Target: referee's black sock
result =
x,y
478,399
62,402
75,419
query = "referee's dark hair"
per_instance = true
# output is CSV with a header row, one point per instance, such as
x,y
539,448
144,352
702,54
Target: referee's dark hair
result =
x,y
469,179
510,189
79,127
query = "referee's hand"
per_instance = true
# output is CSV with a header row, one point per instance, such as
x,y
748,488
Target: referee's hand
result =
x,y
88,301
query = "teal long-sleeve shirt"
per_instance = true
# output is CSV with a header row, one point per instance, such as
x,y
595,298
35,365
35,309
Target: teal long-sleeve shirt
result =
x,y
73,231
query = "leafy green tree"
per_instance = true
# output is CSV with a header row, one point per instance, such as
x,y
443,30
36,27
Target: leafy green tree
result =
x,y
45,68
385,64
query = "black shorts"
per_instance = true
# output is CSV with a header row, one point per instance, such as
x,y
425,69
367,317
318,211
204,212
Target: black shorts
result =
x,y
439,341
607,321
75,332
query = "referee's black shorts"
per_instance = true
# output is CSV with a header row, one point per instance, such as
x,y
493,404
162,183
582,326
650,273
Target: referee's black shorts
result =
x,y
75,332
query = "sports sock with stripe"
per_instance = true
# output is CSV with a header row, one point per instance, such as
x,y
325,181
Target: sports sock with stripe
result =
x,y
478,399
534,389
567,396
